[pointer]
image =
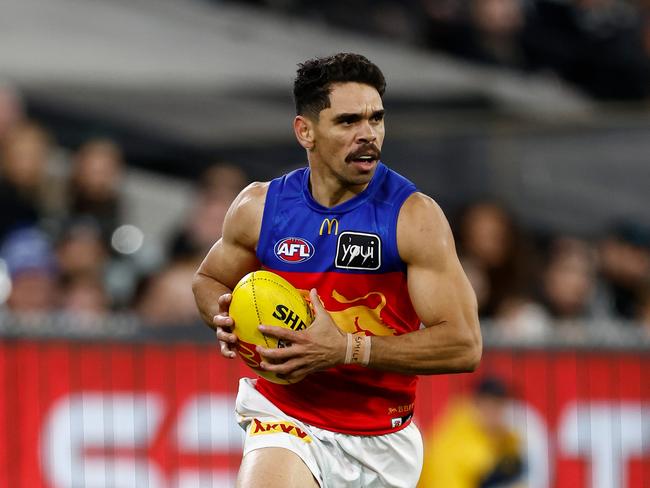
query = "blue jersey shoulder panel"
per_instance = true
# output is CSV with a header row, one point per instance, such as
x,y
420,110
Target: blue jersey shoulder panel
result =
x,y
358,236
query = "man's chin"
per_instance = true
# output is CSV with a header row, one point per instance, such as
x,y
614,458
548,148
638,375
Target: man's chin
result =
x,y
361,179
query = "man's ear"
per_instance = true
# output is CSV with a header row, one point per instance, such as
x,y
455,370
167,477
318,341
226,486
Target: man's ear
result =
x,y
303,127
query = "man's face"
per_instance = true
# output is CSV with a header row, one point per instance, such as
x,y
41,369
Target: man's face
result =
x,y
349,134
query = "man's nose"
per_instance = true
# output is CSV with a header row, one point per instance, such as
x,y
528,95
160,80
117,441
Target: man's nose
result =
x,y
367,133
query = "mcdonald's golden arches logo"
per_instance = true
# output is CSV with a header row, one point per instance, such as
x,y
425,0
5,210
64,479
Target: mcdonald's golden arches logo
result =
x,y
331,223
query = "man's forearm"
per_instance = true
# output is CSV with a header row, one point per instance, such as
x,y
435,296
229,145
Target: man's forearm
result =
x,y
207,291
433,350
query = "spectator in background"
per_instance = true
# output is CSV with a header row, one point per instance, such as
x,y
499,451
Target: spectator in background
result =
x,y
484,31
94,186
440,21
84,299
224,180
643,309
24,196
472,446
566,296
202,229
497,30
11,109
596,45
218,186
81,251
625,267
599,46
32,269
387,18
521,318
568,281
167,297
84,257
498,259
645,28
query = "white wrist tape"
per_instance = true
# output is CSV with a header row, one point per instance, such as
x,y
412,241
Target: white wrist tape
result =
x,y
357,350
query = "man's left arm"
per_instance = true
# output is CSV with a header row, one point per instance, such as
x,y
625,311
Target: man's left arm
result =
x,y
441,296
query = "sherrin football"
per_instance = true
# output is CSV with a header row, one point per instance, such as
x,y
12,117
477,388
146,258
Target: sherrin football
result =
x,y
265,298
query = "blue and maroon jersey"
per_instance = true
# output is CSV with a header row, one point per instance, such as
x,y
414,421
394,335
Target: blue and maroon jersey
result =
x,y
349,254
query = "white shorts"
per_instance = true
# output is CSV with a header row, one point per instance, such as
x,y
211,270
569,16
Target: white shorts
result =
x,y
336,460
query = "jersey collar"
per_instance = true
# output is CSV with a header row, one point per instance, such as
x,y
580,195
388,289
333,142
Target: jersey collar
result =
x,y
353,202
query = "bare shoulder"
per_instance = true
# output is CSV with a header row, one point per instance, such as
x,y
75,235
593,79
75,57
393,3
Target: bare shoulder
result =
x,y
254,191
244,218
423,232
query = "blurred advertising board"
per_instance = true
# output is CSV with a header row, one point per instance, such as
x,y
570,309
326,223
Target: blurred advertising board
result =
x,y
94,414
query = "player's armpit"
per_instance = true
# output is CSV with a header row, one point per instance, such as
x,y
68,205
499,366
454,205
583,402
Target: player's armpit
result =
x,y
441,296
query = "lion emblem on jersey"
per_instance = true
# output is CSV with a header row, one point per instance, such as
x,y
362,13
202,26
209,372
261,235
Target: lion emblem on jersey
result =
x,y
361,317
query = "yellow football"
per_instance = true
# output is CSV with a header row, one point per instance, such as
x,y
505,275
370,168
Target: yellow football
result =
x,y
264,298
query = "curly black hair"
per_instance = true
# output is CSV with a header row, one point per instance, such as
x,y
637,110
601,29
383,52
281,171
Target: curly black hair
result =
x,y
312,86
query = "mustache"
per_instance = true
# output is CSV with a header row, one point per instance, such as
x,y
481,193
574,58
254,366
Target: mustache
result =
x,y
365,150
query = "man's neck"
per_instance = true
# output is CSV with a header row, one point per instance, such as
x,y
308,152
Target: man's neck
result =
x,y
330,191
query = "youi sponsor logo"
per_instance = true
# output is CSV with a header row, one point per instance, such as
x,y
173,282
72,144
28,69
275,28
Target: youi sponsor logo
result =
x,y
358,250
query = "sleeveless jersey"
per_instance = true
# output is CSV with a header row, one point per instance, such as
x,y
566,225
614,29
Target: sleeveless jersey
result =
x,y
349,254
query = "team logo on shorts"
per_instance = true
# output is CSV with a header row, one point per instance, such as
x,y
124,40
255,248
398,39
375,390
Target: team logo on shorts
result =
x,y
279,427
357,250
293,250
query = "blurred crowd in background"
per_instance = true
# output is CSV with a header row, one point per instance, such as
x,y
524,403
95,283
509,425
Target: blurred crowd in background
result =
x,y
600,46
65,246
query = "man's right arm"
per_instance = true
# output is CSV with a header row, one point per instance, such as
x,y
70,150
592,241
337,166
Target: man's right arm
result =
x,y
231,257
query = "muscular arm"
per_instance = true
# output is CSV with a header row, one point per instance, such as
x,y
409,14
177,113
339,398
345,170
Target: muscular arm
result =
x,y
232,256
441,295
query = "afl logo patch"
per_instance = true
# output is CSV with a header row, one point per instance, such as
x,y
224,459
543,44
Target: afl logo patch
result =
x,y
293,250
